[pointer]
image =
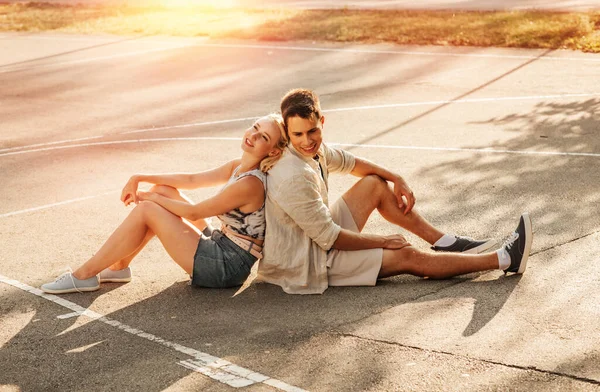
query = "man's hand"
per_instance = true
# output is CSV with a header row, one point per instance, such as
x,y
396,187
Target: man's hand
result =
x,y
395,241
401,189
129,193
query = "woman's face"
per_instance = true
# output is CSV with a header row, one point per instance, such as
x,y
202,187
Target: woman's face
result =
x,y
261,138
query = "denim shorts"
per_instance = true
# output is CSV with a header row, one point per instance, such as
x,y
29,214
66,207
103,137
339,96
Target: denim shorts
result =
x,y
220,263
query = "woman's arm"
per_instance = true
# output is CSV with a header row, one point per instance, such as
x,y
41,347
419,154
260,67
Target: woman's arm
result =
x,y
245,194
206,178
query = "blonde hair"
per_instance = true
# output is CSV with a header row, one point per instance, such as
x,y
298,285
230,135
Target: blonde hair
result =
x,y
267,163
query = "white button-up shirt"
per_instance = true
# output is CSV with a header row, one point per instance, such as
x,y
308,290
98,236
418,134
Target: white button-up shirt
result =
x,y
300,229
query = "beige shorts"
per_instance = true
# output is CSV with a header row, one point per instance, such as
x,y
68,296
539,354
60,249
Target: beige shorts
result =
x,y
351,267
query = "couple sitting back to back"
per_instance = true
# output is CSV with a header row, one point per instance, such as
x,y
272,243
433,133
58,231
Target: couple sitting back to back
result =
x,y
274,207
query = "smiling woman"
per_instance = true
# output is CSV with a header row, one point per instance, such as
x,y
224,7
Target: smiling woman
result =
x,y
212,258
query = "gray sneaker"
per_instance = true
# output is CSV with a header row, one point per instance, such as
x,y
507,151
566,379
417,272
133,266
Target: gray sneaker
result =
x,y
120,276
67,283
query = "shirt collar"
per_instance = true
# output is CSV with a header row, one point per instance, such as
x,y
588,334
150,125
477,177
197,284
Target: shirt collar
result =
x,y
305,158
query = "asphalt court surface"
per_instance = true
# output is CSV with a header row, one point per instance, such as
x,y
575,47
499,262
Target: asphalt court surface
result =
x,y
480,134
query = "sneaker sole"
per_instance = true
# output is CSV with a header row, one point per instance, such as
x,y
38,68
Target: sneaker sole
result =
x,y
67,291
528,241
481,248
116,280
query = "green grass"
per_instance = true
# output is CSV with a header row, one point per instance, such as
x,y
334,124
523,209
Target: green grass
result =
x,y
522,29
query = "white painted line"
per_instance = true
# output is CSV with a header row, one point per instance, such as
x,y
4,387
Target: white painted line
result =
x,y
87,312
587,57
44,207
395,52
189,125
68,315
465,100
199,124
89,60
163,139
476,150
368,107
380,146
230,379
214,367
51,143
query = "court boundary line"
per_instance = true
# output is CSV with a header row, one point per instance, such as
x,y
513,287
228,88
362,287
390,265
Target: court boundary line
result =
x,y
6,151
374,146
60,203
379,146
90,60
152,39
214,367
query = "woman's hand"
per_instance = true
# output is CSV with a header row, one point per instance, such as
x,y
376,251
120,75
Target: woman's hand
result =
x,y
395,241
142,196
129,193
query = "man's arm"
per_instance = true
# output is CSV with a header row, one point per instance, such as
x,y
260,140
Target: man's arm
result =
x,y
364,167
299,197
350,240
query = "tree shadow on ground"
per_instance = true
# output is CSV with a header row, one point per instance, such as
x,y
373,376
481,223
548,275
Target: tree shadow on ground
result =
x,y
545,163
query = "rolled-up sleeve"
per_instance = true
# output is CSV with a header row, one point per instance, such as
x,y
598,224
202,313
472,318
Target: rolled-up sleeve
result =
x,y
338,160
299,197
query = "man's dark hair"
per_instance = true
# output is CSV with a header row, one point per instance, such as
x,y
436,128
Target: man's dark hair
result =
x,y
302,103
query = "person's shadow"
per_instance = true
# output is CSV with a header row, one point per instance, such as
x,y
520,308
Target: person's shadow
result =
x,y
49,353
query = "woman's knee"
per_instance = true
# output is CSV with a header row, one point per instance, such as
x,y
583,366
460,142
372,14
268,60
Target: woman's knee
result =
x,y
148,209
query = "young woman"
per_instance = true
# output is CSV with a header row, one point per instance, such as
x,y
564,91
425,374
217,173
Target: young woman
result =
x,y
213,258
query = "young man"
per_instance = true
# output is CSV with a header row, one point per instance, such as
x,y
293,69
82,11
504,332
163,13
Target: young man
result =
x,y
310,246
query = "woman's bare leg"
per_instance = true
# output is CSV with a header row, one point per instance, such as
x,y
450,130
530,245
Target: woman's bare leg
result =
x,y
178,238
172,193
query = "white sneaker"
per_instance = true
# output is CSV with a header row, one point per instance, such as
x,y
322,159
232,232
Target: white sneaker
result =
x,y
120,276
67,283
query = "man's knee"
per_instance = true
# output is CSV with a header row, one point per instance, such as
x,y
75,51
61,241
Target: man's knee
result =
x,y
374,181
165,190
400,261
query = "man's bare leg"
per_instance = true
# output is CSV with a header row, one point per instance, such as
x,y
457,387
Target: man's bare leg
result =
x,y
372,192
410,260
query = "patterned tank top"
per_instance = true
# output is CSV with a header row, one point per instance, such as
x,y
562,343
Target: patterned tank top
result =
x,y
250,224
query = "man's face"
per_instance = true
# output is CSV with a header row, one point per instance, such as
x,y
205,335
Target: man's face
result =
x,y
305,134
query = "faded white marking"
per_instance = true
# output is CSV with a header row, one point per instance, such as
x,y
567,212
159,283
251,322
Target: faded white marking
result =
x,y
396,52
199,124
8,151
465,100
5,215
209,365
587,58
86,312
476,150
51,143
162,139
380,146
89,60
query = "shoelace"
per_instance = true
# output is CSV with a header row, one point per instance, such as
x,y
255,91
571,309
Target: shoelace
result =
x,y
510,240
69,273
